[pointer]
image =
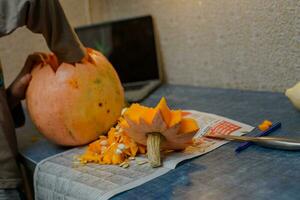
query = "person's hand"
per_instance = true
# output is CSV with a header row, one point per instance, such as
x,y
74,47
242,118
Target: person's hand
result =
x,y
17,90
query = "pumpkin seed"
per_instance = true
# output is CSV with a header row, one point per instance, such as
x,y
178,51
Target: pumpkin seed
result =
x,y
141,162
121,146
118,151
126,165
103,143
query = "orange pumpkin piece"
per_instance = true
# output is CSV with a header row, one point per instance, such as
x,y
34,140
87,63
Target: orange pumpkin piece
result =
x,y
170,117
165,111
142,149
98,146
184,113
113,149
113,155
265,125
90,157
188,125
73,104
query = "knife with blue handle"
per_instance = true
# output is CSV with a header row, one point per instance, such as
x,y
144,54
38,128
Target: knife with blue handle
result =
x,y
245,145
270,142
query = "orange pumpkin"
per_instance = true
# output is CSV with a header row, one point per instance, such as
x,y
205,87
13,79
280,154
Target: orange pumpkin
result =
x,y
74,104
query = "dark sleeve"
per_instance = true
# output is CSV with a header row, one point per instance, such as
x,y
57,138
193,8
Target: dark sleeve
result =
x,y
17,112
18,115
47,18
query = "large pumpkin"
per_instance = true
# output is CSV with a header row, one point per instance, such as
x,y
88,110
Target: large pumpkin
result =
x,y
73,104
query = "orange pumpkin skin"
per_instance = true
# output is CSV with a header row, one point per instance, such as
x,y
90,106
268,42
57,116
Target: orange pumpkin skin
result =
x,y
76,103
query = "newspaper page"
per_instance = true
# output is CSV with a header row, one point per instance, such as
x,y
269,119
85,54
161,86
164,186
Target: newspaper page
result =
x,y
58,177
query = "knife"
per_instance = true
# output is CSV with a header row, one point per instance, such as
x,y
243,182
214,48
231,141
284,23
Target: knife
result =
x,y
270,142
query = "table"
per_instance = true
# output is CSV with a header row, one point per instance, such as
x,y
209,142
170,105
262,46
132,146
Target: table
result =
x,y
255,173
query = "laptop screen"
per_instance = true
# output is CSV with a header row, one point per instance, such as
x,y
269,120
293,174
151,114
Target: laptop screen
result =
x,y
128,44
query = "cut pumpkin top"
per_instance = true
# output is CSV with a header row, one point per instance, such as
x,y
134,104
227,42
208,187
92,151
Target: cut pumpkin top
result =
x,y
170,117
172,124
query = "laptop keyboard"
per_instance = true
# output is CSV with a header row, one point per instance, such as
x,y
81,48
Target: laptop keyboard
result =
x,y
134,87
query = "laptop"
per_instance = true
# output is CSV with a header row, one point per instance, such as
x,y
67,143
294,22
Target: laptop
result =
x,y
131,48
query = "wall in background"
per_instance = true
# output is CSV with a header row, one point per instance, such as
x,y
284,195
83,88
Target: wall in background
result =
x,y
230,44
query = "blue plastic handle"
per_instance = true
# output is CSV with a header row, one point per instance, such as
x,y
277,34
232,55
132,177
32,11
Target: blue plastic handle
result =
x,y
245,145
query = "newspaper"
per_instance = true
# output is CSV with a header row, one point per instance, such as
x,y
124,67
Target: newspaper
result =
x,y
59,177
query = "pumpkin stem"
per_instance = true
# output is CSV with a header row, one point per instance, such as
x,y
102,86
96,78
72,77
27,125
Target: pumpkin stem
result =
x,y
153,148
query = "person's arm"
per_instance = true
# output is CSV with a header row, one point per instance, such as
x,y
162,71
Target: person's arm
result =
x,y
40,16
46,17
17,89
18,115
13,104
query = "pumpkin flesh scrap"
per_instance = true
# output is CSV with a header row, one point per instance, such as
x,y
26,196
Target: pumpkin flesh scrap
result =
x,y
171,117
188,125
132,130
114,148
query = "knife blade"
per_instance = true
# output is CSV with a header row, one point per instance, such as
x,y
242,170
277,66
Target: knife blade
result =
x,y
270,142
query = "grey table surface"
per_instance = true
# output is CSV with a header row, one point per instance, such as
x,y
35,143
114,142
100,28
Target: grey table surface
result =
x,y
255,173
